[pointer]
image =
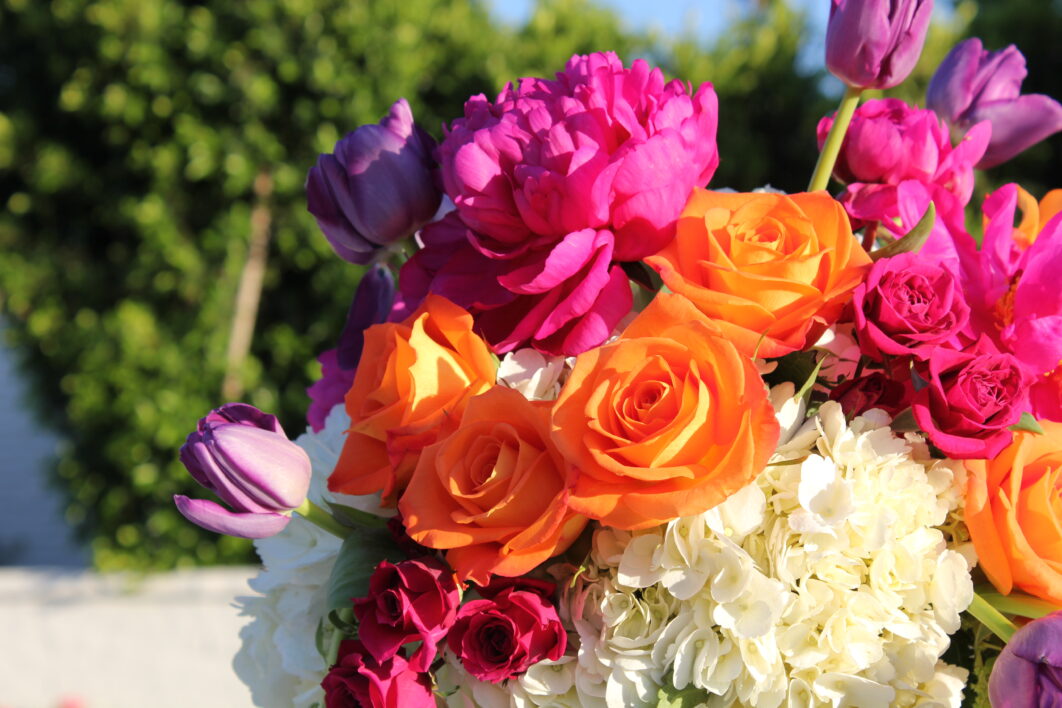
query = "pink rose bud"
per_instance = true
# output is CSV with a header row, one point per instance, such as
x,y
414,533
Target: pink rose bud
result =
x,y
357,680
1028,674
875,44
908,307
973,85
971,399
411,601
243,456
501,638
874,390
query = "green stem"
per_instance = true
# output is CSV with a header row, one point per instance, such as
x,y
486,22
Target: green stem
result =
x,y
832,147
338,635
314,513
1020,605
992,618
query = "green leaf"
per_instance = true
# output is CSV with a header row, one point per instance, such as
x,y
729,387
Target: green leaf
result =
x,y
349,516
810,381
358,558
1028,424
670,697
1019,604
797,368
913,241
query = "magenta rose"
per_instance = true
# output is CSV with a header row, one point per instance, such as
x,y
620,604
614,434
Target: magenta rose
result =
x,y
499,584
500,638
874,390
907,307
1028,674
410,601
971,398
357,680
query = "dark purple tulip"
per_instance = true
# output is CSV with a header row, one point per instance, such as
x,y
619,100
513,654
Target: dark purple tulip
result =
x,y
376,187
242,455
875,43
371,305
1028,674
972,85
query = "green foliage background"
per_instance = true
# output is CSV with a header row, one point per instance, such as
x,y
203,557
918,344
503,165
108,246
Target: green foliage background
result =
x,y
131,136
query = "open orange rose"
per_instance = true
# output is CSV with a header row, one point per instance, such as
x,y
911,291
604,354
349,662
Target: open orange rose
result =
x,y
494,493
667,421
1014,513
772,270
412,384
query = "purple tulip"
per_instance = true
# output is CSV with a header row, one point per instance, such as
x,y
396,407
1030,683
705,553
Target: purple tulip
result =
x,y
377,187
972,85
874,44
371,305
243,456
1028,674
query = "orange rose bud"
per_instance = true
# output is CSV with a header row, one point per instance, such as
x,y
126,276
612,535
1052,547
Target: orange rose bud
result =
x,y
412,384
772,270
494,494
667,421
1014,513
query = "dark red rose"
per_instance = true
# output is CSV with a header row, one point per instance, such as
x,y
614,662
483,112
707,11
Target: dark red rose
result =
x,y
874,390
908,307
501,638
357,680
396,526
413,600
499,583
972,398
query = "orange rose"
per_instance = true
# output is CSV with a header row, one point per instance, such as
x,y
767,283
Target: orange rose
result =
x,y
667,421
1014,513
412,384
771,270
494,493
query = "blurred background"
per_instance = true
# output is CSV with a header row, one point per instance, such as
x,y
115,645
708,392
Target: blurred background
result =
x,y
157,259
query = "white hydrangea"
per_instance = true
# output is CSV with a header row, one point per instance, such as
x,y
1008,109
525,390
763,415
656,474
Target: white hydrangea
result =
x,y
278,658
827,582
537,376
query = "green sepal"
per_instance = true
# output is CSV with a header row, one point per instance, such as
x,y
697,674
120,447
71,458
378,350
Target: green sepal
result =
x,y
913,241
904,422
1028,424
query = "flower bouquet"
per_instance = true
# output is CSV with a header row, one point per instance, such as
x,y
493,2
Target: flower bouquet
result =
x,y
615,439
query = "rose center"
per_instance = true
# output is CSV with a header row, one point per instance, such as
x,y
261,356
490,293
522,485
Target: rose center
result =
x,y
496,641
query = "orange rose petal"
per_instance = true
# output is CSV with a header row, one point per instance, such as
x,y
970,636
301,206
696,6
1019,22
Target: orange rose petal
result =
x,y
1050,205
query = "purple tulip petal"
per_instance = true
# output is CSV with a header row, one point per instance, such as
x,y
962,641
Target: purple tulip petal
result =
x,y
216,518
371,305
268,469
1017,125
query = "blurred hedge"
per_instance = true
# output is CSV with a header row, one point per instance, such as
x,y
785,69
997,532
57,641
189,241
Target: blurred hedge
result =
x,y
133,134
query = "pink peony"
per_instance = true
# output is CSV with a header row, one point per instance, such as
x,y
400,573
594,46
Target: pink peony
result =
x,y
502,637
600,147
889,142
554,183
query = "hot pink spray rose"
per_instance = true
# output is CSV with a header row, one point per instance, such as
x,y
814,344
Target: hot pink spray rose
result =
x,y
413,600
357,680
502,637
907,307
972,398
555,183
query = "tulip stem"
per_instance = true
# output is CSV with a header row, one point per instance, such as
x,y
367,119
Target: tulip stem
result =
x,y
314,513
832,147
1020,605
991,618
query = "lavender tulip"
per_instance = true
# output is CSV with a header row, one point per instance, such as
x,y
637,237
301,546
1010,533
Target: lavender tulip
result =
x,y
874,44
243,456
972,85
377,187
1028,674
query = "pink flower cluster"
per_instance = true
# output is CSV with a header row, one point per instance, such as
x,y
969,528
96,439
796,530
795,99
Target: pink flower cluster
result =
x,y
513,626
981,329
555,184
